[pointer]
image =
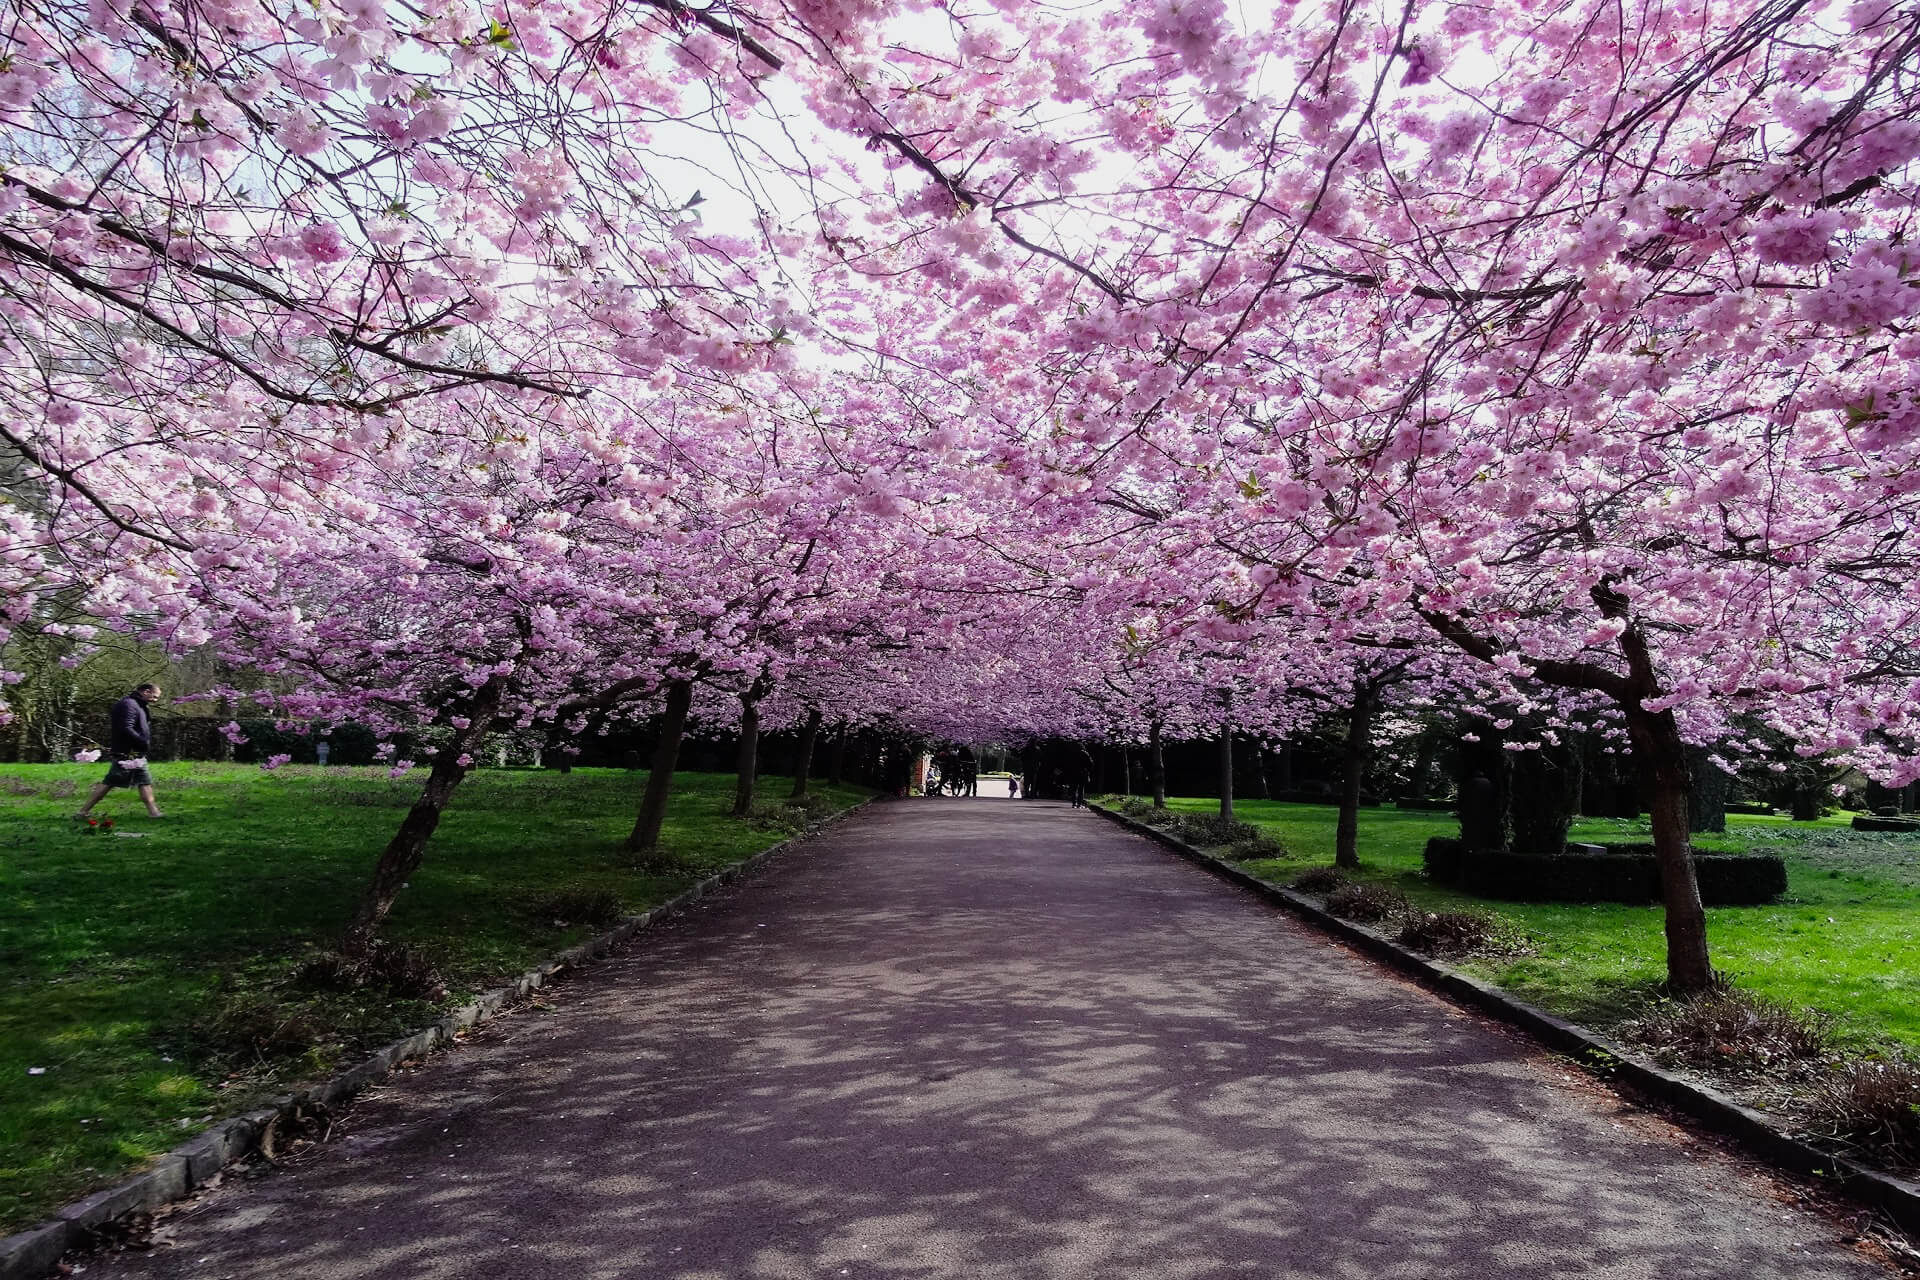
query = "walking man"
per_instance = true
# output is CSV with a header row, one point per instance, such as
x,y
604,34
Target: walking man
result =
x,y
131,734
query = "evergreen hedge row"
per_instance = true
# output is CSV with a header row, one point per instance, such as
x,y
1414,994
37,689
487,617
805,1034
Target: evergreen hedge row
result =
x,y
1629,874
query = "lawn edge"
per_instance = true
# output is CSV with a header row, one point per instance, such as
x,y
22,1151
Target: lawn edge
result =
x,y
1897,1197
35,1252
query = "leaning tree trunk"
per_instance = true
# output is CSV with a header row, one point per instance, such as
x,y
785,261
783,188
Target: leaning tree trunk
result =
x,y
1663,756
1226,773
666,754
803,756
746,761
404,853
1156,766
1353,763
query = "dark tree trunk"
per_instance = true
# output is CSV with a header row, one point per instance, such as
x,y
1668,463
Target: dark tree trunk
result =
x,y
1126,773
1485,787
1226,774
803,754
1545,784
1260,787
1418,786
1663,756
1353,768
837,758
1156,765
1806,804
746,762
645,837
1707,802
404,853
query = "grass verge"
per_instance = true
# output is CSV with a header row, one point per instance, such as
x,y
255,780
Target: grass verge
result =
x,y
1841,941
148,976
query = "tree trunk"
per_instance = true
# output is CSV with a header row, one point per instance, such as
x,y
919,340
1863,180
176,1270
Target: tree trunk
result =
x,y
408,848
666,754
837,758
1353,768
1485,786
746,761
1226,773
1261,787
1707,802
1545,786
1126,773
1156,765
1657,745
803,756
1419,785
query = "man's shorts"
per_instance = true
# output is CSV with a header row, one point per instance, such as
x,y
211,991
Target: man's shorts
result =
x,y
119,775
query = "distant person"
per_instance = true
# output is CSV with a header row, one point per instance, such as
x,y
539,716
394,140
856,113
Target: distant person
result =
x,y
322,750
1079,778
969,774
1013,786
130,734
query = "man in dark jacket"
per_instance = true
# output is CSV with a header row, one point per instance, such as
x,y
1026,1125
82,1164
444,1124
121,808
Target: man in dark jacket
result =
x,y
130,733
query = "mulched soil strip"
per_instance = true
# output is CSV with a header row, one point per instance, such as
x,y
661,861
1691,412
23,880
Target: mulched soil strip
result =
x,y
1897,1197
35,1252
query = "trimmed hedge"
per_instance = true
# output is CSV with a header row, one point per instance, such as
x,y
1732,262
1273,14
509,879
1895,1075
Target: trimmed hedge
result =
x,y
1368,800
1872,822
1630,875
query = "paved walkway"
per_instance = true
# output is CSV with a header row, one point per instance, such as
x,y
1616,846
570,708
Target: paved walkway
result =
x,y
973,1040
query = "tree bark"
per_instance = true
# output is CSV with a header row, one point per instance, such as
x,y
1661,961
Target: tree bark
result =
x,y
408,848
666,754
837,758
1226,773
1657,745
746,762
1419,786
1707,802
803,756
1261,787
1545,790
1156,765
1353,768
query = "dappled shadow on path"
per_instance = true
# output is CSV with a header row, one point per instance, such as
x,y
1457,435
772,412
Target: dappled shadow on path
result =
x,y
956,1040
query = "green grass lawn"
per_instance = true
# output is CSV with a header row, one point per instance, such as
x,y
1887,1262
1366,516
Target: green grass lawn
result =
x,y
140,973
1842,940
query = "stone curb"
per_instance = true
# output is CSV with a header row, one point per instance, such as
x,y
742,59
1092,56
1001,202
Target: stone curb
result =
x,y
33,1253
1754,1130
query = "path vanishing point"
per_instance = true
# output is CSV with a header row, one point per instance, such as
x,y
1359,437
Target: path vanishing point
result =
x,y
973,1039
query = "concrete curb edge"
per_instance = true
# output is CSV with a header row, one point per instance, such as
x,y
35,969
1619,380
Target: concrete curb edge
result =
x,y
31,1254
1897,1197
